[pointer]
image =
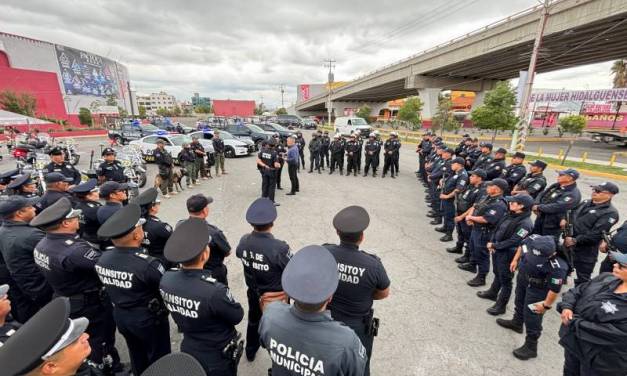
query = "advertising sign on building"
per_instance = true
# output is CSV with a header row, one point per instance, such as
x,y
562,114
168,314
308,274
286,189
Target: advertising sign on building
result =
x,y
304,92
84,73
603,95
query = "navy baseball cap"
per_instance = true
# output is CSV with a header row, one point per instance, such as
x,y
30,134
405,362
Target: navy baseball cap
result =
x,y
108,151
501,151
537,248
261,212
522,199
619,240
479,172
112,186
606,187
311,275
15,203
501,183
570,172
487,145
519,154
459,160
55,151
187,241
619,257
198,202
86,187
538,163
55,177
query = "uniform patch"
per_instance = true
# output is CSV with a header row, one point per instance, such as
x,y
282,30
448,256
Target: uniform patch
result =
x,y
208,278
492,212
91,255
463,182
555,264
609,307
593,211
522,233
556,281
69,242
168,227
91,205
160,268
537,186
142,255
567,198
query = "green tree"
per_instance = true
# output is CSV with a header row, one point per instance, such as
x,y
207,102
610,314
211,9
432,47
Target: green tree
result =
x,y
84,116
574,124
497,111
444,118
281,111
619,70
112,100
22,103
176,111
364,112
410,112
142,112
203,109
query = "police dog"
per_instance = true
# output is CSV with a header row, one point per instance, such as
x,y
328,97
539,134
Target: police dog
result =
x,y
177,179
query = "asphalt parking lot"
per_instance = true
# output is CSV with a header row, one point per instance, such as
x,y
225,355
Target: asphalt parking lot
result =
x,y
432,323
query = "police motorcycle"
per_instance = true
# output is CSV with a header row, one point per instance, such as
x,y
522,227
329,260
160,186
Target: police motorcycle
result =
x,y
35,168
26,149
134,166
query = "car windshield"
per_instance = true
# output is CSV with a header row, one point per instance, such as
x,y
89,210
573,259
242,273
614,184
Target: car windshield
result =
x,y
226,135
358,121
150,127
255,128
179,140
278,127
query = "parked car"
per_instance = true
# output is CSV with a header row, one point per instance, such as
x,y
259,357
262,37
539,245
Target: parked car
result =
x,y
348,124
233,147
173,144
129,132
248,131
283,132
309,124
289,120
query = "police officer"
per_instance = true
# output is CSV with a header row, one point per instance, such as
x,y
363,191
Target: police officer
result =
x,y
111,169
473,153
23,186
495,168
590,220
541,274
397,150
360,144
615,243
204,309
464,202
534,182
439,169
362,278
86,197
372,150
314,153
268,162
187,158
511,230
515,171
29,289
68,262
156,232
58,164
8,326
131,278
57,186
423,150
200,171
352,151
281,151
485,158
455,182
5,179
483,219
300,141
390,150
324,151
114,195
264,257
337,154
165,163
307,328
555,202
198,207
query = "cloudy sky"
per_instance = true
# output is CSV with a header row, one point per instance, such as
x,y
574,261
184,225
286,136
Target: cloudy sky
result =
x,y
247,49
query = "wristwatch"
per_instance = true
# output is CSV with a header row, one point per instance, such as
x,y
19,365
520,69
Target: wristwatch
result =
x,y
545,306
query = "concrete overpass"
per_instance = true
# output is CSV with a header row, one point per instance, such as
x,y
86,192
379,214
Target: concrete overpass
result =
x,y
578,32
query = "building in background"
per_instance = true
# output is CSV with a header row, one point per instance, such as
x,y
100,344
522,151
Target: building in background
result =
x,y
197,100
230,107
155,101
61,78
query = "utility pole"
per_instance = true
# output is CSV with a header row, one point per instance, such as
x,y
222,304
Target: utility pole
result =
x,y
282,88
520,134
329,64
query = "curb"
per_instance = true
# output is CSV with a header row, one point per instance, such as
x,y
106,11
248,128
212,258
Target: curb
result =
x,y
593,173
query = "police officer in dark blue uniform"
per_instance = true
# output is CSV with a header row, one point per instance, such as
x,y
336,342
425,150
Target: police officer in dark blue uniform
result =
x,y
534,182
268,163
362,278
485,158
58,164
473,153
5,179
114,195
29,289
8,325
511,230
423,150
352,153
86,197
455,182
552,204
439,169
23,186
156,232
337,154
131,278
483,219
590,220
495,168
541,274
111,169
204,309
325,346
515,171
198,207
372,150
68,262
464,202
57,186
390,155
264,257
615,243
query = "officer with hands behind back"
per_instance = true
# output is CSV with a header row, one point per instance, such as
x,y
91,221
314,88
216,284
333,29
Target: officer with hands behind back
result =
x,y
86,196
156,232
58,164
111,169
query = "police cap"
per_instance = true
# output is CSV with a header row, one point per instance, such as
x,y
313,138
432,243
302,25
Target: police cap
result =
x,y
180,364
479,172
538,163
619,257
522,199
619,240
501,183
55,177
112,186
271,142
501,151
147,197
446,149
352,219
570,172
606,187
15,203
60,210
519,154
55,151
20,181
261,212
486,145
459,160
537,249
49,331
6,176
311,275
86,187
198,202
108,151
187,241
122,222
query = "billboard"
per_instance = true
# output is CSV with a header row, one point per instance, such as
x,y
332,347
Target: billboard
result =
x,y
84,73
606,95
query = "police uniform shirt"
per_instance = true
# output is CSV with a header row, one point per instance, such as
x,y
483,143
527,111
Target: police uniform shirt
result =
x,y
558,200
534,184
337,147
457,181
360,275
107,210
495,168
67,170
372,148
388,146
591,220
264,257
268,157
50,197
468,197
324,346
157,233
511,230
204,310
397,146
352,147
90,225
491,209
281,151
554,271
112,172
163,158
514,173
67,262
130,276
482,161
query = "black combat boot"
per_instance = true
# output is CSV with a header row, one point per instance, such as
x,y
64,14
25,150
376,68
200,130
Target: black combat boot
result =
x,y
355,173
341,172
441,229
490,294
392,176
528,350
499,307
463,260
436,221
365,174
374,174
512,324
467,266
479,280
433,214
448,237
455,249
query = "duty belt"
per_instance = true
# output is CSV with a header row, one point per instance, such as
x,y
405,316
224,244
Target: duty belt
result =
x,y
538,283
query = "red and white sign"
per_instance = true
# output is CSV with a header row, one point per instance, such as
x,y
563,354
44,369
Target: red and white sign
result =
x,y
304,92
598,108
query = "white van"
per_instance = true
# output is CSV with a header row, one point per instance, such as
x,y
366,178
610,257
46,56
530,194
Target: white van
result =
x,y
348,124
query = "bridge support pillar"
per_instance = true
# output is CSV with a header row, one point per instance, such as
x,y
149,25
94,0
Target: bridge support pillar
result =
x,y
479,98
429,98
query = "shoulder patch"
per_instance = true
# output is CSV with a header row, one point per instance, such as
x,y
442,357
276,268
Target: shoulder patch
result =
x,y
69,242
208,279
168,227
522,232
142,255
567,198
91,254
91,205
554,264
